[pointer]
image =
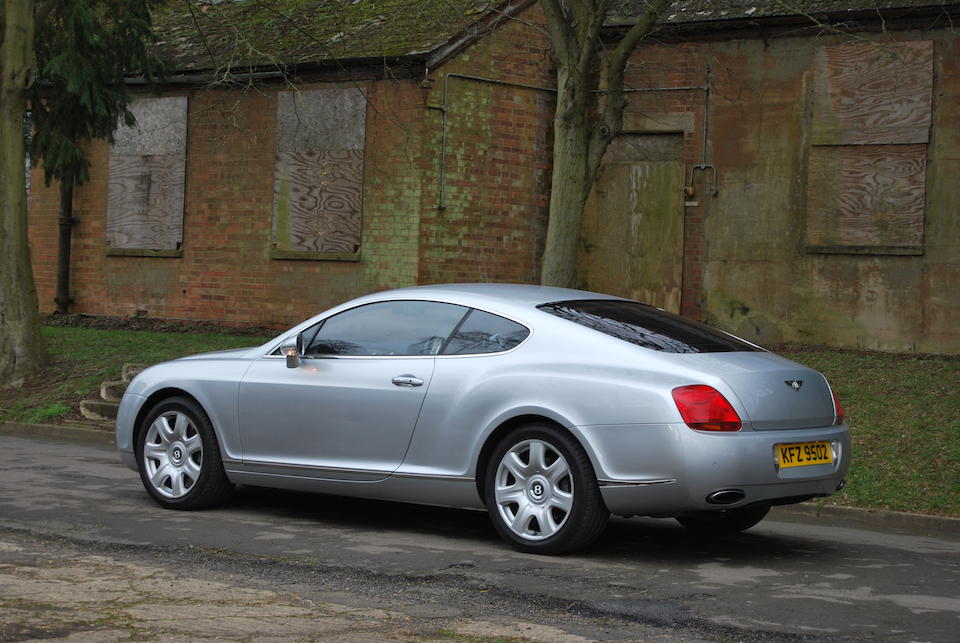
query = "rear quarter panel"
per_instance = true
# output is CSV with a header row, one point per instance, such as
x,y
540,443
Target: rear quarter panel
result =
x,y
598,381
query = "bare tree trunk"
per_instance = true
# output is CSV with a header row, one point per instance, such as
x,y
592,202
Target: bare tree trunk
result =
x,y
568,195
578,146
20,349
583,126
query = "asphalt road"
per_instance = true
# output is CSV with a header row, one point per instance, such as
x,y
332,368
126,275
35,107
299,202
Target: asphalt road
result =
x,y
339,569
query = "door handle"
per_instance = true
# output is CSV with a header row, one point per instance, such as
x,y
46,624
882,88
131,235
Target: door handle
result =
x,y
407,380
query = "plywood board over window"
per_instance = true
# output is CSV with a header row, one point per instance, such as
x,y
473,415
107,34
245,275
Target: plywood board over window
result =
x,y
318,182
146,179
867,168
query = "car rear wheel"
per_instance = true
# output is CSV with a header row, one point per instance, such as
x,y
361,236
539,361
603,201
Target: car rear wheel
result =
x,y
541,491
178,456
726,522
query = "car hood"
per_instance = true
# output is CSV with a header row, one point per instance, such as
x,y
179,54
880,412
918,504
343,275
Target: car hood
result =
x,y
233,353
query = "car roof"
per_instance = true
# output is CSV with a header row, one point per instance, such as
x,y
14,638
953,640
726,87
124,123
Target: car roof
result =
x,y
493,295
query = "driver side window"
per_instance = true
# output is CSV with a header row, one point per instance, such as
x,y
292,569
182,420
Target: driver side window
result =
x,y
389,328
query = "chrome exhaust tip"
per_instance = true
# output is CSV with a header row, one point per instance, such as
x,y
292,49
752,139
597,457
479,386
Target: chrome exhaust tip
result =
x,y
726,496
841,484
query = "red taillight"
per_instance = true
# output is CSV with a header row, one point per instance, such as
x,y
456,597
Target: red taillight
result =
x,y
703,408
838,409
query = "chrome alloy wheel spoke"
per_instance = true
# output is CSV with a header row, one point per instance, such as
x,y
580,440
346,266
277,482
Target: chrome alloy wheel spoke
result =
x,y
173,454
534,489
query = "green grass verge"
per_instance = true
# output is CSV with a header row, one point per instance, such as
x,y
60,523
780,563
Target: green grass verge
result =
x,y
903,410
79,359
904,417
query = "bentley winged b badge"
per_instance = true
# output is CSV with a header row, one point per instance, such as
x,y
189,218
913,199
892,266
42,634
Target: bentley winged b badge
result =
x,y
794,384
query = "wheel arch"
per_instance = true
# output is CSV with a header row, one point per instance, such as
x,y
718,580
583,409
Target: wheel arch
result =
x,y
505,427
156,398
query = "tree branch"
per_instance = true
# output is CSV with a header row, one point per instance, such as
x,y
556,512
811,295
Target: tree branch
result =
x,y
561,33
611,122
618,60
594,17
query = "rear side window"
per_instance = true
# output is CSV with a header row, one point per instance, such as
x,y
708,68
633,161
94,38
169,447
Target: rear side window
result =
x,y
647,326
484,332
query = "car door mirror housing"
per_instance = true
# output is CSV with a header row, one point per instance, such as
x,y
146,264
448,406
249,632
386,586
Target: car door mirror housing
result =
x,y
292,348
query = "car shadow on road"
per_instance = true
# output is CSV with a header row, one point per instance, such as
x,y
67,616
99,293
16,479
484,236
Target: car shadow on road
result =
x,y
637,539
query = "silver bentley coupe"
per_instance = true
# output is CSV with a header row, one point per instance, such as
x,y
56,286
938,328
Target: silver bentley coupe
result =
x,y
550,408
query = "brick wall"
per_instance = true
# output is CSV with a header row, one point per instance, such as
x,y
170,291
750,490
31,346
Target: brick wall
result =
x,y
497,161
225,272
497,185
747,265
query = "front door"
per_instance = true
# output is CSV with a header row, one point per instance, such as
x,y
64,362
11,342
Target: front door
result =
x,y
349,410
336,418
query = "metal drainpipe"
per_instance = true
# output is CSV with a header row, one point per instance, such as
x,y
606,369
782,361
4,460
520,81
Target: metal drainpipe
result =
x,y
445,108
66,221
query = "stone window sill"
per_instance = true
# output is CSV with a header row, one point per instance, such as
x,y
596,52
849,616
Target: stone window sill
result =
x,y
866,250
143,252
301,255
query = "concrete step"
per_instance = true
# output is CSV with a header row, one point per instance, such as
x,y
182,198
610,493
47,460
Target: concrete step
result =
x,y
131,370
113,391
99,410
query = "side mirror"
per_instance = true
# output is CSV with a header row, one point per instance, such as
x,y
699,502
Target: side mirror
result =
x,y
293,349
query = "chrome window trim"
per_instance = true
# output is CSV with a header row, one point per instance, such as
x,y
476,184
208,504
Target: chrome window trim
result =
x,y
272,352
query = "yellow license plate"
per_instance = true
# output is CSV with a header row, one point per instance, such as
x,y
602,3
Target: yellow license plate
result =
x,y
804,454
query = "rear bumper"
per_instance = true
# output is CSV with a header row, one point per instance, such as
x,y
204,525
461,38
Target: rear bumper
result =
x,y
670,469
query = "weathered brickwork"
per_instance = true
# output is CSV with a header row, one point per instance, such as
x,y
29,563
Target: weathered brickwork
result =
x,y
497,162
746,265
225,271
497,185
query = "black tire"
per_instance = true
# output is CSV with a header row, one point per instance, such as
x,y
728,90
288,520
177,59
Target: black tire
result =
x,y
568,503
725,522
178,456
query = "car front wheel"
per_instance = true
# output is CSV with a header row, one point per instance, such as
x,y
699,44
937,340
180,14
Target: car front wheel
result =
x,y
178,456
541,491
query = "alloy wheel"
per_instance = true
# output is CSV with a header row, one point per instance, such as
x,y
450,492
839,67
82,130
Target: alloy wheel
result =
x,y
172,454
534,489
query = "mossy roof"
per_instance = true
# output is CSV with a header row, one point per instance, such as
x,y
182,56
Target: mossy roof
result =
x,y
198,35
239,34
690,11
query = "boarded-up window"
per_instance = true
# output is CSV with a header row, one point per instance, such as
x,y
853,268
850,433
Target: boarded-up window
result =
x,y
147,163
318,183
867,168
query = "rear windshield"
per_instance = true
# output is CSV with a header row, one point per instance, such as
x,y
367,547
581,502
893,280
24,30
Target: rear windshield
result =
x,y
646,326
